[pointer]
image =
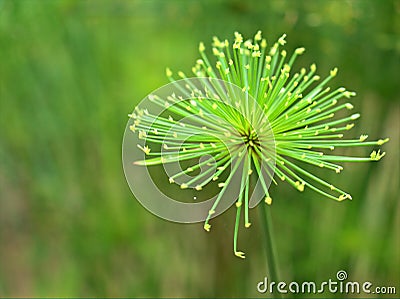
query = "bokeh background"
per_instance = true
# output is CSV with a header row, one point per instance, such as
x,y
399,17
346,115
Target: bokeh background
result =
x,y
71,71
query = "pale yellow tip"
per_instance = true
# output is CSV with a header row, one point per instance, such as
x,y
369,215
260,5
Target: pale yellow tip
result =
x,y
181,74
268,200
168,72
345,196
313,67
207,227
300,186
282,40
263,43
258,36
349,94
349,126
376,156
240,254
238,37
201,47
299,51
145,149
382,141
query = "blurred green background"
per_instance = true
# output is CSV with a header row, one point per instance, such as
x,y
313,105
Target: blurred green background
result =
x,y
71,71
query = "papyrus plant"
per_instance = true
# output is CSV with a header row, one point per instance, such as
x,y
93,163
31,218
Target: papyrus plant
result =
x,y
296,111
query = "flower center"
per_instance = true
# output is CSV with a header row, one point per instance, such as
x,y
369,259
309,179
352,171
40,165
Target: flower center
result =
x,y
251,139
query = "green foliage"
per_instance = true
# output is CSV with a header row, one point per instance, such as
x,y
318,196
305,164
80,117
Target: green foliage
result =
x,y
70,73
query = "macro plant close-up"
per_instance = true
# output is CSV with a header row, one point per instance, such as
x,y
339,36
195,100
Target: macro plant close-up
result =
x,y
199,149
264,122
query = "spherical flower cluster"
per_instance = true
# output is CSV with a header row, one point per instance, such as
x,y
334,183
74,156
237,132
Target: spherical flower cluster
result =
x,y
290,121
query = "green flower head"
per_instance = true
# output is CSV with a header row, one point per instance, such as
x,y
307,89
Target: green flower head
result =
x,y
262,124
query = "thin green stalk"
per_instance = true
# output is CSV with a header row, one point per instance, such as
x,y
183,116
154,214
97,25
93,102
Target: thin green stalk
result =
x,y
266,224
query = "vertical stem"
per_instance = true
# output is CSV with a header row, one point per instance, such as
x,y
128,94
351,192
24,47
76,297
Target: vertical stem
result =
x,y
266,224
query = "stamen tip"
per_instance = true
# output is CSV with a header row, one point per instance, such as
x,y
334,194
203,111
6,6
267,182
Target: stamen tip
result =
x,y
382,141
349,126
145,149
268,200
240,254
168,72
344,196
282,40
349,106
376,156
299,51
201,47
333,72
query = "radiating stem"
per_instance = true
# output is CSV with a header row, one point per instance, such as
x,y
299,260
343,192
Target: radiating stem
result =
x,y
266,224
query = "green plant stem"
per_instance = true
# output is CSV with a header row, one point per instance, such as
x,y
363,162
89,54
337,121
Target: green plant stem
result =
x,y
266,224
